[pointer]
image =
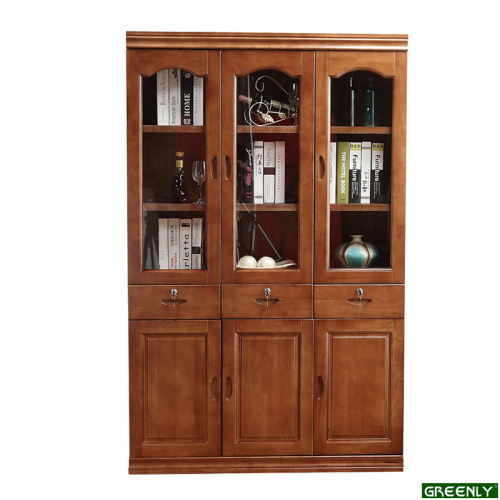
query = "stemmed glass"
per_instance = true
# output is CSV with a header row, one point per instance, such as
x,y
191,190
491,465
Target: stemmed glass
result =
x,y
199,176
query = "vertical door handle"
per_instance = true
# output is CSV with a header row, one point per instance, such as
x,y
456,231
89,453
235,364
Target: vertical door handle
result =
x,y
229,388
227,172
321,388
321,168
213,169
214,388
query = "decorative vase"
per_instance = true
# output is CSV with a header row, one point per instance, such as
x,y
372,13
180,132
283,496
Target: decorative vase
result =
x,y
356,254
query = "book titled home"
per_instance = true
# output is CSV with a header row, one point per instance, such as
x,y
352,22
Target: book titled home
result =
x,y
279,180
186,98
258,174
366,159
197,100
185,243
197,243
174,93
377,171
173,243
269,171
343,172
333,172
163,243
355,172
162,97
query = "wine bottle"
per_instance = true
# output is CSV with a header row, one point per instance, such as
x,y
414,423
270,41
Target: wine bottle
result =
x,y
179,188
370,108
349,104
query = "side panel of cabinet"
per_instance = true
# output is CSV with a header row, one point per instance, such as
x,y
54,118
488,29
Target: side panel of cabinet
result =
x,y
267,381
359,400
174,388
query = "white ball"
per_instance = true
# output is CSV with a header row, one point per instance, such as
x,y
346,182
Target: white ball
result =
x,y
247,261
266,262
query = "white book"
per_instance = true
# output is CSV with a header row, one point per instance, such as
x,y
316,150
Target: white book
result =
x,y
366,160
174,93
173,243
333,171
163,243
185,243
197,243
269,171
258,172
197,100
279,179
162,97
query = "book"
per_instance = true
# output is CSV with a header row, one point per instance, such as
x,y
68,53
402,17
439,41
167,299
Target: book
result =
x,y
197,100
279,179
355,172
185,243
197,243
258,173
333,171
342,172
162,97
366,159
163,243
248,173
377,172
174,99
186,98
269,171
173,243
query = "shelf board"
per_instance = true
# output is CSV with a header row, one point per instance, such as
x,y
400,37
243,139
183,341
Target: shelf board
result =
x,y
185,129
173,207
359,207
267,207
360,130
270,129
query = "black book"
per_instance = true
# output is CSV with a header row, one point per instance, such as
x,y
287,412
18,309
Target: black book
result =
x,y
186,98
355,172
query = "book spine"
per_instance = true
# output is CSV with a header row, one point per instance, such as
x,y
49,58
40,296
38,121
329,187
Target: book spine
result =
x,y
174,100
366,159
258,176
279,181
185,243
333,171
248,183
162,97
269,171
186,98
173,243
377,171
163,243
197,243
342,172
197,100
355,172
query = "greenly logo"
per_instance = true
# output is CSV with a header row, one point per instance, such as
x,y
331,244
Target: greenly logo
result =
x,y
459,490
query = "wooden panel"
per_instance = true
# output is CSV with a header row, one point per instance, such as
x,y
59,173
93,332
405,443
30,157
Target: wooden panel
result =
x,y
248,301
342,301
194,61
341,62
248,61
192,302
267,374
175,388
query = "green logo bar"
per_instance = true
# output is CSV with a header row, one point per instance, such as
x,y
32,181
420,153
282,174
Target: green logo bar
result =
x,y
459,490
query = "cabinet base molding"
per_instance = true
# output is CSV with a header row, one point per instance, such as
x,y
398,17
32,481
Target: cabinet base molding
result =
x,y
210,465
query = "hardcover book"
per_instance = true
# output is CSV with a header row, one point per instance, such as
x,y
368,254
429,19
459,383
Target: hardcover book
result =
x,y
355,172
185,243
197,100
366,158
248,174
279,180
174,92
173,243
333,172
197,243
163,243
162,97
342,172
186,98
269,171
377,172
258,175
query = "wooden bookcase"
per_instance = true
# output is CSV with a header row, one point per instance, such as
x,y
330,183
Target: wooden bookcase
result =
x,y
293,368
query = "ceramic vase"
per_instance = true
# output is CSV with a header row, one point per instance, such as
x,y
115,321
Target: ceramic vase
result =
x,y
356,254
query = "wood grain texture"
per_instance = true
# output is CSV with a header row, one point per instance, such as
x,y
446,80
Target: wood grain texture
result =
x,y
194,61
341,62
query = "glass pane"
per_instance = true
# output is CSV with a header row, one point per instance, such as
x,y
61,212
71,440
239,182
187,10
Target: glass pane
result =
x,y
360,171
268,171
173,189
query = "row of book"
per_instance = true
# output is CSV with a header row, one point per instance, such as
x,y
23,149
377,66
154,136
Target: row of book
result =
x,y
180,243
356,172
265,175
179,97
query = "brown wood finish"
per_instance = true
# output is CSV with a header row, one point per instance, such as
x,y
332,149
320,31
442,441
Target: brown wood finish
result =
x,y
359,398
174,388
267,383
341,62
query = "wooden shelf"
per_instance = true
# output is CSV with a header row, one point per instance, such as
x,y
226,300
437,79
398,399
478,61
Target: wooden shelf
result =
x,y
168,129
358,207
360,130
173,207
267,207
270,129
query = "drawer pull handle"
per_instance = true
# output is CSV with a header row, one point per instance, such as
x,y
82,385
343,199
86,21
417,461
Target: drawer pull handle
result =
x,y
214,388
173,301
267,301
360,301
229,388
321,388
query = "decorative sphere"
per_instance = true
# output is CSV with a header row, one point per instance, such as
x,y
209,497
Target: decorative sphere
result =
x,y
266,262
247,261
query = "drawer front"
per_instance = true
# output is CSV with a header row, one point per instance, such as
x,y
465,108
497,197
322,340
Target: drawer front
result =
x,y
372,301
254,301
173,302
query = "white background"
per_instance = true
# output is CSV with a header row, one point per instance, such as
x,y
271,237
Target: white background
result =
x,y
63,343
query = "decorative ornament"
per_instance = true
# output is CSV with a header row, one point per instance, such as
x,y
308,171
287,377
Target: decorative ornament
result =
x,y
356,254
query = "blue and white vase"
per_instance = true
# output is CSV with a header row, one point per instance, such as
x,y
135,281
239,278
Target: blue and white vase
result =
x,y
356,254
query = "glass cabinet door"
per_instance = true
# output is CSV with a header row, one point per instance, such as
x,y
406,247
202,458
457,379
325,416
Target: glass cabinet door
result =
x,y
360,169
267,166
173,166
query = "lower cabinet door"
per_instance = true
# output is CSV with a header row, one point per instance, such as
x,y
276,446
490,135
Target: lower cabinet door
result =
x,y
359,387
174,388
267,387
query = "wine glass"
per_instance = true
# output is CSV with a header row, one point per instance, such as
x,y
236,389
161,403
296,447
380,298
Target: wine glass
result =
x,y
199,176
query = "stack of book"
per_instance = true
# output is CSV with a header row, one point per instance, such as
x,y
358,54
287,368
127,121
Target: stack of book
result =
x,y
180,243
179,97
356,170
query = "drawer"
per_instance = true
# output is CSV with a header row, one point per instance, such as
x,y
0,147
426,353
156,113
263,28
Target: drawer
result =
x,y
156,302
343,301
282,301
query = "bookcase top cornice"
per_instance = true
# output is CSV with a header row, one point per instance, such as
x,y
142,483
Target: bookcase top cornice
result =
x,y
262,41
